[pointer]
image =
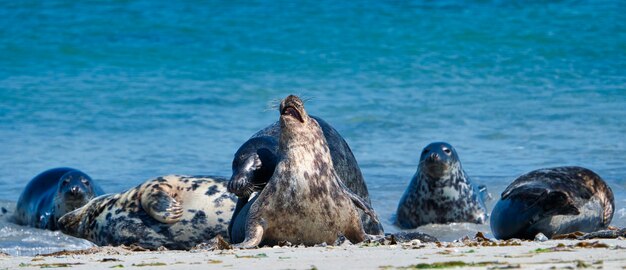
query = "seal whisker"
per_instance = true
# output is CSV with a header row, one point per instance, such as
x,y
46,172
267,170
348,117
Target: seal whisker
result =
x,y
306,99
273,104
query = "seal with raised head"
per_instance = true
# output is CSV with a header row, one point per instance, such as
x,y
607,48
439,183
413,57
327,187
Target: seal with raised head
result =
x,y
255,161
176,212
553,201
51,194
441,191
304,202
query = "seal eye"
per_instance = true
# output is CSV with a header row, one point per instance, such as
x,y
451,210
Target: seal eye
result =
x,y
85,182
447,151
425,152
66,181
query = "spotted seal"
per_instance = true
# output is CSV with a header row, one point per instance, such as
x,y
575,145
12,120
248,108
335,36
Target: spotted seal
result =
x,y
304,202
51,194
255,161
174,211
553,201
441,191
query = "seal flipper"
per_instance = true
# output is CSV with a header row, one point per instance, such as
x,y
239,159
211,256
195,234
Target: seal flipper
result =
x,y
254,233
361,204
160,205
484,193
241,203
549,201
517,213
557,203
46,221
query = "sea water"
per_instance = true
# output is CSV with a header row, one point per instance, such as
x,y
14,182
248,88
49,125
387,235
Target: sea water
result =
x,y
129,90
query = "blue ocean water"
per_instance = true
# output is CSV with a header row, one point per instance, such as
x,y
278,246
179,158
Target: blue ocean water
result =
x,y
129,90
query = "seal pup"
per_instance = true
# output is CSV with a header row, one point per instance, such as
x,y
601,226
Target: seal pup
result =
x,y
174,211
51,194
304,202
441,191
553,201
255,161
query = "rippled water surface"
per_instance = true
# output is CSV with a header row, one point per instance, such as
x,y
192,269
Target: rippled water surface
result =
x,y
128,90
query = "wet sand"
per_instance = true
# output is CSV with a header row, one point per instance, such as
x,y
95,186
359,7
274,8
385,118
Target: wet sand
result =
x,y
569,254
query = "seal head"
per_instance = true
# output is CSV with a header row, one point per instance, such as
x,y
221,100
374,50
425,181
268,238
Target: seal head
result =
x,y
295,124
253,166
439,161
75,189
51,194
440,191
553,201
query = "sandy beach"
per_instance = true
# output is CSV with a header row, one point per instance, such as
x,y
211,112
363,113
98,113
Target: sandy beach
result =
x,y
554,254
135,90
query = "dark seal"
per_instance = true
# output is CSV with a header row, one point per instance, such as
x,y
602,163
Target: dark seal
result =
x,y
174,211
553,201
441,191
51,194
255,162
305,201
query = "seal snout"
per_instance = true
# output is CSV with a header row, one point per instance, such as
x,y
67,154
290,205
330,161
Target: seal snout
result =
x,y
291,111
433,157
75,190
238,186
437,158
292,106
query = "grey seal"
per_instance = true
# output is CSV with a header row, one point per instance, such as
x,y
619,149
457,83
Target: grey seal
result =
x,y
255,161
174,211
51,194
553,201
440,191
305,201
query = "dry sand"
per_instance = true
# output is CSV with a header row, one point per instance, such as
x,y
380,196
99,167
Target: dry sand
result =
x,y
568,254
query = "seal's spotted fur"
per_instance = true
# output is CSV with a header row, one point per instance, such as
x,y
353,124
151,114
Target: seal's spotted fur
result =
x,y
553,201
255,161
343,159
304,202
177,212
440,191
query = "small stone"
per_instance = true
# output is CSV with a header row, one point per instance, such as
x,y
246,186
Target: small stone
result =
x,y
217,243
540,237
285,244
341,240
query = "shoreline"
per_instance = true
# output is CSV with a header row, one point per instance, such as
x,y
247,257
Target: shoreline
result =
x,y
472,254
